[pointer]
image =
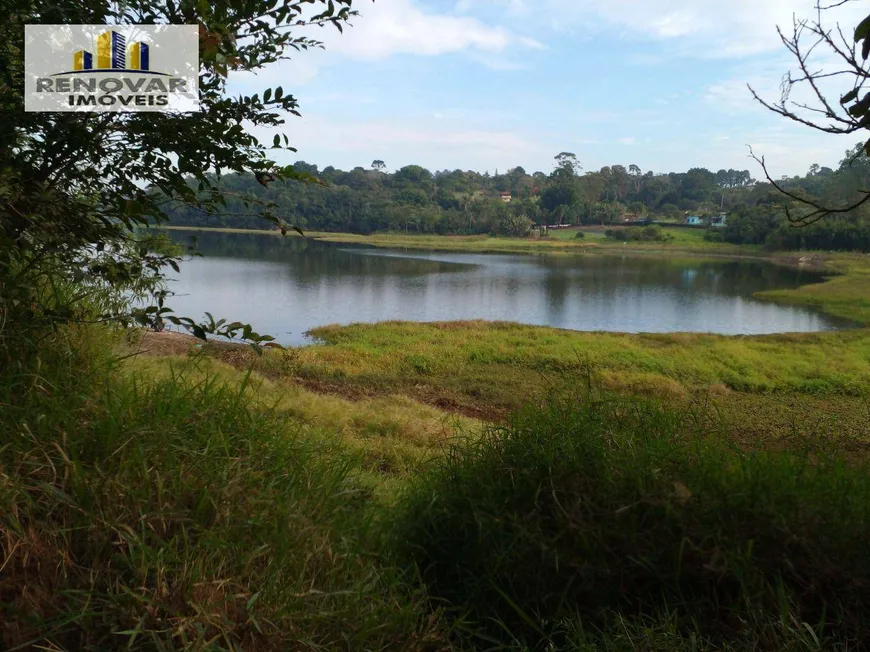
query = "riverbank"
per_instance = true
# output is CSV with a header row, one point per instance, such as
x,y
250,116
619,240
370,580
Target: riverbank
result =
x,y
845,294
560,241
767,388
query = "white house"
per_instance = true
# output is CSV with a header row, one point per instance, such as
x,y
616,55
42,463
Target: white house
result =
x,y
694,220
720,221
506,197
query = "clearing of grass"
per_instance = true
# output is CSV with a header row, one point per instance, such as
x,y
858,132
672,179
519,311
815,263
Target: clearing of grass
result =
x,y
769,390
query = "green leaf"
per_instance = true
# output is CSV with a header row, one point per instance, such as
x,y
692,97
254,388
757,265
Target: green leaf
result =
x,y
863,30
198,332
276,141
848,97
267,95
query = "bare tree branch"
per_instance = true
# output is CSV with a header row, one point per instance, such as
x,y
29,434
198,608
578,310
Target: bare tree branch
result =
x,y
835,5
819,211
807,36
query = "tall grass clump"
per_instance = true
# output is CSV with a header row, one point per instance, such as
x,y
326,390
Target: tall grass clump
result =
x,y
583,524
173,514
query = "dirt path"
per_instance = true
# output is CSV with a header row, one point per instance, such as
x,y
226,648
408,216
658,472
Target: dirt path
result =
x,y
240,356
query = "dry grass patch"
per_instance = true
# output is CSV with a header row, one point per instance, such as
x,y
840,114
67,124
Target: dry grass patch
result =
x,y
393,434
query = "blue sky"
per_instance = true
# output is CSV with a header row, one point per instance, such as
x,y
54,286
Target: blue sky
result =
x,y
492,84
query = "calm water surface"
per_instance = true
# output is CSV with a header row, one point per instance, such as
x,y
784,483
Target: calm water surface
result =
x,y
286,286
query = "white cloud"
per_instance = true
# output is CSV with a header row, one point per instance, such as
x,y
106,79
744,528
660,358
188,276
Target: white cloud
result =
x,y
393,27
734,95
628,140
698,28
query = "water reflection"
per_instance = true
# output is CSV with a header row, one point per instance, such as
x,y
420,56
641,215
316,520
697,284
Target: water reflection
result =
x,y
285,286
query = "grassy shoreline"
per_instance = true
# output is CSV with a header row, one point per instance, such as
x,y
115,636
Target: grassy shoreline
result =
x,y
395,378
560,242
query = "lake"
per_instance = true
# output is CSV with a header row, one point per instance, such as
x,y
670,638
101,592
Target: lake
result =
x,y
286,286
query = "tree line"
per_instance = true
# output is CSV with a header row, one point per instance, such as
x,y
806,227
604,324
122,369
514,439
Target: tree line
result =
x,y
765,220
416,200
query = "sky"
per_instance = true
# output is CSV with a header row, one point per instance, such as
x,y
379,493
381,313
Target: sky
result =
x,y
489,85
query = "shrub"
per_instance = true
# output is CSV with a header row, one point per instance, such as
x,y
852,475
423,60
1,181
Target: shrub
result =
x,y
650,233
581,518
579,235
511,225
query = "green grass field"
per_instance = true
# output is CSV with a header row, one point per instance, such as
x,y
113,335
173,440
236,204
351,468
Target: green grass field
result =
x,y
680,237
768,389
846,293
390,435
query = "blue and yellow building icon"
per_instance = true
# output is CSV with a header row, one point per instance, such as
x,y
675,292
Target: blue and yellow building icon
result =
x,y
112,54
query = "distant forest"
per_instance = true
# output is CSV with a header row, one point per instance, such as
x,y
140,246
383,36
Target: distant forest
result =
x,y
416,200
